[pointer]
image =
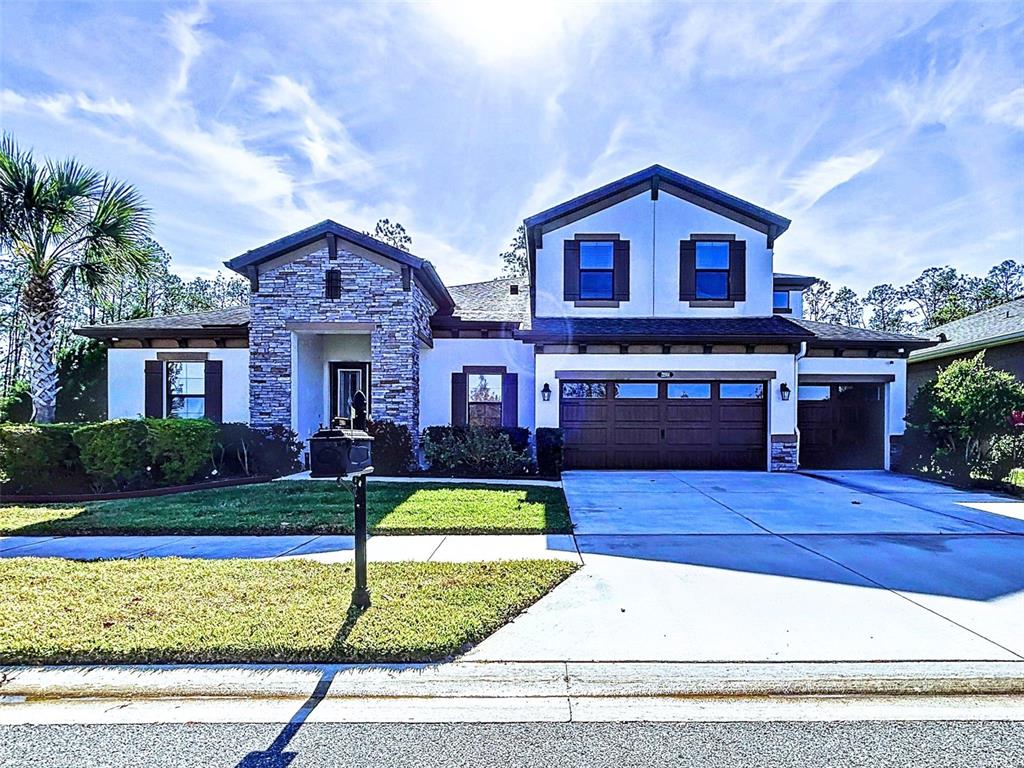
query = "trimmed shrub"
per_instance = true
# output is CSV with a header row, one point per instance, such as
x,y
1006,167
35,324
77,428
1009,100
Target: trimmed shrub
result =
x,y
1017,477
38,457
179,449
138,453
114,453
392,447
473,451
550,441
241,451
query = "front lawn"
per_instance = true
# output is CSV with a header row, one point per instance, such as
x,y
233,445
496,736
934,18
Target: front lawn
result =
x,y
304,507
188,611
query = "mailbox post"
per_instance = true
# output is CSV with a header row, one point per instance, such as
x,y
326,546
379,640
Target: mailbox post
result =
x,y
344,451
361,593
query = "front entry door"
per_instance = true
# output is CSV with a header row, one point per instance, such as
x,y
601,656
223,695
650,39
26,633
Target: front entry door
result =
x,y
346,380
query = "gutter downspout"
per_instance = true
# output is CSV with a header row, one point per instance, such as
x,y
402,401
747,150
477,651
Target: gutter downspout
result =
x,y
796,391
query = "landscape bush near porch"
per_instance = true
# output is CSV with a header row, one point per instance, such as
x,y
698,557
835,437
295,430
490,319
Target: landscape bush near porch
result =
x,y
137,454
475,451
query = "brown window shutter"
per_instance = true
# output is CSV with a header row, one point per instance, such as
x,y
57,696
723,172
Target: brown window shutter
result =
x,y
460,399
738,270
687,270
510,400
620,278
214,375
154,389
571,271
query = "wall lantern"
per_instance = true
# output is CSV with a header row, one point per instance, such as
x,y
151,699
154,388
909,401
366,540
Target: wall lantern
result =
x,y
785,391
545,392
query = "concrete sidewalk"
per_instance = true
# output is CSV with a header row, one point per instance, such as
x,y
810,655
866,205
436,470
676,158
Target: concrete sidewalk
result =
x,y
327,549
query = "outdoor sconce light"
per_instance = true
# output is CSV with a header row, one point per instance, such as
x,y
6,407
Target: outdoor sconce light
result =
x,y
545,392
785,391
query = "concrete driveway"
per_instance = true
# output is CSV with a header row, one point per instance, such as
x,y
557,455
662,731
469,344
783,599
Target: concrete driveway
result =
x,y
747,566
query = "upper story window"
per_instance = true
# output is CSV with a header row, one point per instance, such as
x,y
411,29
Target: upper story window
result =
x,y
712,270
781,301
597,270
186,390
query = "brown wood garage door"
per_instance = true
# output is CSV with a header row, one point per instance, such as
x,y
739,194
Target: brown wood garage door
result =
x,y
842,426
663,425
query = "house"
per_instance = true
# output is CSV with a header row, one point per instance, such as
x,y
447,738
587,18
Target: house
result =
x,y
998,331
651,329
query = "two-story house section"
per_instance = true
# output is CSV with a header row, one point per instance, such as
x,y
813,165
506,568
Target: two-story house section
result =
x,y
651,328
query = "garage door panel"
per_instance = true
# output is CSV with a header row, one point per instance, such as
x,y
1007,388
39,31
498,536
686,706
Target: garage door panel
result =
x,y
842,427
667,433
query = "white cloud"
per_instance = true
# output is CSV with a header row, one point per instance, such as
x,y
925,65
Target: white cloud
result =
x,y
1009,109
183,30
822,177
325,141
940,94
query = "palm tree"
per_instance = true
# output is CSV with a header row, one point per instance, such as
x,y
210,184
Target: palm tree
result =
x,y
65,224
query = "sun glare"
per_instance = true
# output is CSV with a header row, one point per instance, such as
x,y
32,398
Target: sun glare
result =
x,y
502,30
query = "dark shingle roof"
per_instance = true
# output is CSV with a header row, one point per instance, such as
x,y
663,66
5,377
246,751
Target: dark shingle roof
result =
x,y
832,332
1002,323
663,329
493,300
233,319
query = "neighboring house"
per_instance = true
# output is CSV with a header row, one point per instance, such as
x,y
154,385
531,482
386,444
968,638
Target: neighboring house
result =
x,y
651,328
998,331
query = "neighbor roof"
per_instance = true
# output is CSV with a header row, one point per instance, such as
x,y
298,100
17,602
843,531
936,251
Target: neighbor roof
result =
x,y
232,322
493,300
423,268
1003,324
659,177
860,337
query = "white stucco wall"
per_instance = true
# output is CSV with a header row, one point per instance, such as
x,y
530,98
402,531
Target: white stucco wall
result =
x,y
781,414
654,229
450,355
313,353
126,381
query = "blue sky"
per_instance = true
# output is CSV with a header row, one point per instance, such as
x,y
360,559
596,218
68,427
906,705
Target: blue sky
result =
x,y
892,134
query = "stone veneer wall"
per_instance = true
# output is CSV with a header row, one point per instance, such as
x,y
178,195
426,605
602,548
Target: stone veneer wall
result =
x,y
370,293
784,453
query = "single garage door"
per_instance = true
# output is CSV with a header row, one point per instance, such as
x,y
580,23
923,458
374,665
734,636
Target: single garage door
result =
x,y
842,426
664,425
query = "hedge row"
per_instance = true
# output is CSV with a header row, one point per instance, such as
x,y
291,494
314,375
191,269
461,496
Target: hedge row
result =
x,y
137,453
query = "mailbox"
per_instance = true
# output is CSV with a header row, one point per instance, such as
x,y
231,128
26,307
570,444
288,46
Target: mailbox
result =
x,y
337,452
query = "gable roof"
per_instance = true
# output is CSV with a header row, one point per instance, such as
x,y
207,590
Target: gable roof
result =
x,y
422,268
1002,324
656,178
493,300
231,322
846,335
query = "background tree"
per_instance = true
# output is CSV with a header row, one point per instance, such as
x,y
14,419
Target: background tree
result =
x,y
936,294
393,234
1006,281
887,311
515,259
66,225
818,301
847,308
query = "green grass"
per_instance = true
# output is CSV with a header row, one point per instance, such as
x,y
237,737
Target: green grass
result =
x,y
174,610
304,507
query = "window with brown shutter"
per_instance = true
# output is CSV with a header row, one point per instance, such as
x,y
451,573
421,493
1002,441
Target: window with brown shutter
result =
x,y
712,268
596,269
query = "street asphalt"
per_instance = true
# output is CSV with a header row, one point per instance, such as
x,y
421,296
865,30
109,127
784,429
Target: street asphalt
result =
x,y
566,745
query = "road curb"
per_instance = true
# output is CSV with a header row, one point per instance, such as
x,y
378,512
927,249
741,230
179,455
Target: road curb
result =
x,y
467,680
